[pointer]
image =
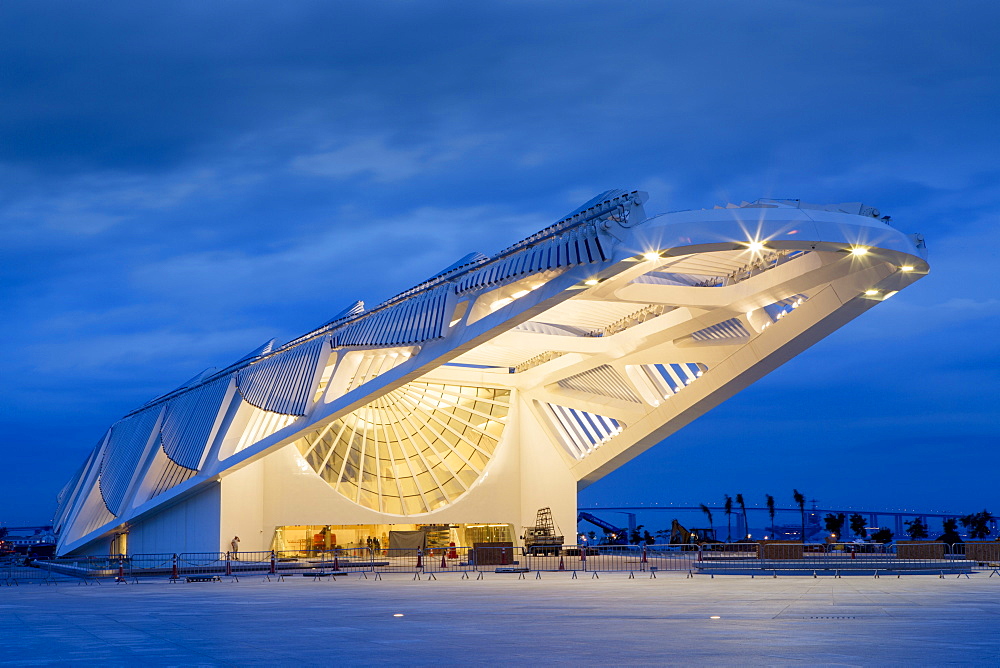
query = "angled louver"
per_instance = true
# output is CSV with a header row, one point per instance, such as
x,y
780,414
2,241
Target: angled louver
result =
x,y
780,309
122,454
568,250
282,383
724,331
188,423
581,431
419,318
262,349
669,379
603,381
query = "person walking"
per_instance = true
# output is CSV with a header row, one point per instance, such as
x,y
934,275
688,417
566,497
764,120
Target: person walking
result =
x,y
235,545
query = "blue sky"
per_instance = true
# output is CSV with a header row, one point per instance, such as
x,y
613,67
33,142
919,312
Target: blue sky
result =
x,y
181,181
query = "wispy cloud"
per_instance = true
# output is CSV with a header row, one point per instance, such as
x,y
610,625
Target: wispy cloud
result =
x,y
178,184
376,158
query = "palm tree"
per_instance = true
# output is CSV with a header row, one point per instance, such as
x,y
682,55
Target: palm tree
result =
x,y
770,511
708,511
743,509
800,500
728,507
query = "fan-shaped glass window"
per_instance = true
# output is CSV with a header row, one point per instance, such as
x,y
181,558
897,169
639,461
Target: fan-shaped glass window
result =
x,y
413,450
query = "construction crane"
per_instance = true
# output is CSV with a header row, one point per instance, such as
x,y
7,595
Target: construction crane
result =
x,y
614,535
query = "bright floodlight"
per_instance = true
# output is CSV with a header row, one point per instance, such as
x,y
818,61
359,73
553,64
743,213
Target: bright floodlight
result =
x,y
652,255
871,291
590,281
906,267
755,246
859,251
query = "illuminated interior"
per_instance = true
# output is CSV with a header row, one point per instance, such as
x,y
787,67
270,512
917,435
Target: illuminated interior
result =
x,y
412,450
306,539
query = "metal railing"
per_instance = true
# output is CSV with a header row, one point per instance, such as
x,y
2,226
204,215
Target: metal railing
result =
x,y
616,558
15,572
790,557
86,570
769,557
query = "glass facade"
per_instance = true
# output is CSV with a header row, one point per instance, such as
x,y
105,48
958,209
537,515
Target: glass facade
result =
x,y
306,539
413,450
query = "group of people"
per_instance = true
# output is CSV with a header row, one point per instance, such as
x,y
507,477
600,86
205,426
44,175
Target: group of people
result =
x,y
326,540
319,542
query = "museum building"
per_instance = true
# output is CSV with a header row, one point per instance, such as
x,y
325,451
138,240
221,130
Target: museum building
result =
x,y
499,386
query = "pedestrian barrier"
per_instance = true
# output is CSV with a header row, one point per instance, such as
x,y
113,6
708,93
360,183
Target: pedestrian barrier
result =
x,y
616,558
795,558
984,553
763,558
149,565
322,563
200,563
86,570
409,561
452,559
17,572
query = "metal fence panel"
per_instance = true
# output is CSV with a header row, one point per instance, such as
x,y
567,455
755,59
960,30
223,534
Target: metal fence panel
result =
x,y
449,560
716,558
796,558
15,572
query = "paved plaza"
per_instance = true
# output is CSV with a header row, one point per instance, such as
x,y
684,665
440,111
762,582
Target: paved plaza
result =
x,y
614,620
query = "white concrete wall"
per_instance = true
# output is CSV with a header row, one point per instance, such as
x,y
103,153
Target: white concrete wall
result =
x,y
242,509
189,526
546,480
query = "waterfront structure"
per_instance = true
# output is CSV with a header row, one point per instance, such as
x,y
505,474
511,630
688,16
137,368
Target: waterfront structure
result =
x,y
29,540
501,385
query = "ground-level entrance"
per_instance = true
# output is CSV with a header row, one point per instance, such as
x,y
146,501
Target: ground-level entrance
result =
x,y
307,539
